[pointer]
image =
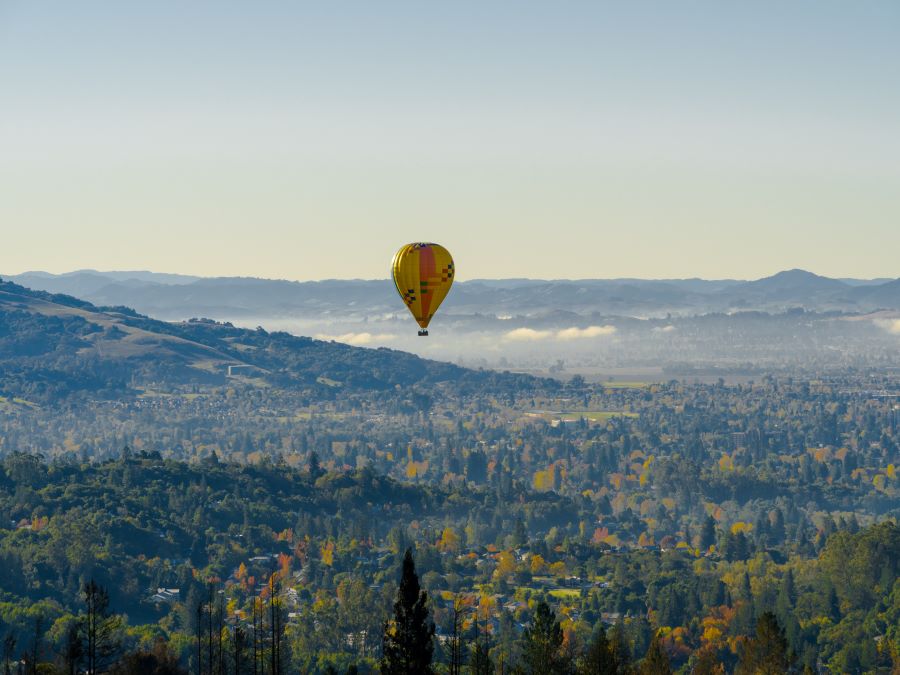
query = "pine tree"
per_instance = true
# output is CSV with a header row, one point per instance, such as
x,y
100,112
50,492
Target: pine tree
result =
x,y
708,533
72,650
481,663
455,639
542,648
37,644
408,639
620,649
238,644
766,653
9,646
599,659
100,629
707,664
656,661
315,468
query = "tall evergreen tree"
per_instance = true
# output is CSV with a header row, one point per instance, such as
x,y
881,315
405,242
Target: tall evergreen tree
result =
x,y
621,650
706,663
315,467
708,533
72,649
766,653
238,644
656,661
480,663
408,639
599,659
9,647
455,666
542,644
37,644
100,629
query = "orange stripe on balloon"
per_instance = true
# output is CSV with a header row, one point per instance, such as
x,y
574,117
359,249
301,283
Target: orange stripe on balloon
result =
x,y
426,274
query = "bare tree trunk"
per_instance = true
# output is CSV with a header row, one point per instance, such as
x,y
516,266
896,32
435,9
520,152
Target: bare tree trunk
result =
x,y
36,646
238,646
220,626
199,638
255,637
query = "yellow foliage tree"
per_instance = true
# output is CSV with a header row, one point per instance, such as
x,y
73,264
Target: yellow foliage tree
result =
x,y
449,541
506,565
327,552
538,564
558,569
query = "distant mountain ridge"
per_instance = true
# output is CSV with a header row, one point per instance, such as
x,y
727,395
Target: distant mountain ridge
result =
x,y
171,296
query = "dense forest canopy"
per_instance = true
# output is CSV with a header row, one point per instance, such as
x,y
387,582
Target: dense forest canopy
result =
x,y
210,496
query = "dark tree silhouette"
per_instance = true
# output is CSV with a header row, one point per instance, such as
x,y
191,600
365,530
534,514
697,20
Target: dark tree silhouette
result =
x,y
315,467
656,661
481,663
707,663
542,643
620,649
238,644
708,533
599,659
258,637
276,626
37,642
9,646
73,650
408,639
158,661
766,653
455,640
99,630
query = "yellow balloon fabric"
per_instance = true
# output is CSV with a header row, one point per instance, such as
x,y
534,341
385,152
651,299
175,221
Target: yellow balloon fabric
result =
x,y
423,274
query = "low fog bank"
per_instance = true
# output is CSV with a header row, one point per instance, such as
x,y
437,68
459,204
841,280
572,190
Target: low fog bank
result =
x,y
624,329
737,345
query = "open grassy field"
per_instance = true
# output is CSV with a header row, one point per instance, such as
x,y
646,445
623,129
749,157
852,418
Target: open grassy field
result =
x,y
564,593
625,385
574,415
11,404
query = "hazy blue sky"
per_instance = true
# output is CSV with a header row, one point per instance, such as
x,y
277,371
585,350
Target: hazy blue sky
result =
x,y
560,139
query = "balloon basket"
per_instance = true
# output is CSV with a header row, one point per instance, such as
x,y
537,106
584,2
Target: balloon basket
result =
x,y
423,333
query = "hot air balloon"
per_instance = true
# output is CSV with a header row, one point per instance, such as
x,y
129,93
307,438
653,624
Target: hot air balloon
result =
x,y
423,274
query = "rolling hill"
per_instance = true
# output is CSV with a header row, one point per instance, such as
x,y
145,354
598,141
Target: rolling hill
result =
x,y
54,346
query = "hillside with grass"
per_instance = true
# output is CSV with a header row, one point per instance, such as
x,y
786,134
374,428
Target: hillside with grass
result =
x,y
54,346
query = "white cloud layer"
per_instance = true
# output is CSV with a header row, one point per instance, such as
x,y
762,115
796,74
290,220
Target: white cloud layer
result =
x,y
566,334
585,333
890,325
358,339
527,335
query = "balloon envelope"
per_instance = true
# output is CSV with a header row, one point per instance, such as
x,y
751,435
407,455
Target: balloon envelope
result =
x,y
423,274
